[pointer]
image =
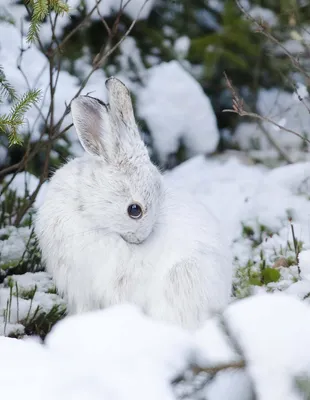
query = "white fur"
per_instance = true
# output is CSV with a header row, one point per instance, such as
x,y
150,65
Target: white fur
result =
x,y
172,262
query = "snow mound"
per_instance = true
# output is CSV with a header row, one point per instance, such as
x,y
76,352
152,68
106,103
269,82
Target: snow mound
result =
x,y
112,354
176,109
238,193
119,353
272,334
222,186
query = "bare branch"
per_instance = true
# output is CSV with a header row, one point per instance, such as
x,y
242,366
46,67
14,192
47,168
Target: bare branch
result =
x,y
217,368
238,108
267,119
78,27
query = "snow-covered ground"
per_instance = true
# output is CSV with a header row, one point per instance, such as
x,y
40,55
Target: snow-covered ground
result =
x,y
119,353
259,209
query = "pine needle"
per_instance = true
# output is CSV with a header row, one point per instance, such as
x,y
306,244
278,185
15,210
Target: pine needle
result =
x,y
6,89
40,10
9,123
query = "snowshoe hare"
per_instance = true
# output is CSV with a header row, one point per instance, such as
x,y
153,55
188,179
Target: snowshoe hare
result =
x,y
111,232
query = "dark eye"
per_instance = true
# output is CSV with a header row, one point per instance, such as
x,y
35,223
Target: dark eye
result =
x,y
134,211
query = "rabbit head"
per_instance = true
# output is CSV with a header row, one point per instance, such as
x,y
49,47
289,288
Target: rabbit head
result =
x,y
123,190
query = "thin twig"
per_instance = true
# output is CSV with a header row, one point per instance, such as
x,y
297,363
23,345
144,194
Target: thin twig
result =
x,y
238,108
262,29
221,367
296,248
54,129
104,22
267,119
274,143
77,28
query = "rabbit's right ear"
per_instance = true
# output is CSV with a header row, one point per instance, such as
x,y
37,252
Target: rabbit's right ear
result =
x,y
92,123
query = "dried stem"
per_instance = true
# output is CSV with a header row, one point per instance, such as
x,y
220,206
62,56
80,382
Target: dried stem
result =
x,y
217,368
238,108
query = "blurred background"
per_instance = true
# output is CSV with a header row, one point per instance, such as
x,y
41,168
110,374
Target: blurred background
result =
x,y
173,60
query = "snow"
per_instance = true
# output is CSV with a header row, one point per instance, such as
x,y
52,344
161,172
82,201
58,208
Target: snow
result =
x,y
176,108
181,46
31,294
190,117
3,154
281,342
119,353
283,108
243,195
265,15
304,264
273,332
128,357
14,246
223,185
34,64
136,335
135,9
23,184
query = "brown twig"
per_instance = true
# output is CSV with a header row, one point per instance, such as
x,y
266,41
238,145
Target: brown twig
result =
x,y
296,247
238,108
243,113
217,368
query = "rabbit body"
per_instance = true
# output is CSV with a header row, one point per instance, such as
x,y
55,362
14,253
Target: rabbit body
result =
x,y
172,262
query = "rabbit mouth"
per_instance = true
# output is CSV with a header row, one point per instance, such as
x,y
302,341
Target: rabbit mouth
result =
x,y
131,239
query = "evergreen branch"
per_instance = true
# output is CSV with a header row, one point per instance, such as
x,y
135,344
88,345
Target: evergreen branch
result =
x,y
59,7
6,89
11,122
33,31
24,103
40,10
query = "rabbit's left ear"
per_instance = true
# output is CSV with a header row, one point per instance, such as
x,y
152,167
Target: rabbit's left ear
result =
x,y
121,109
92,123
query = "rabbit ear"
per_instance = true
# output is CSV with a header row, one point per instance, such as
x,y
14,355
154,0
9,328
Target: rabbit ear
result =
x,y
121,107
91,120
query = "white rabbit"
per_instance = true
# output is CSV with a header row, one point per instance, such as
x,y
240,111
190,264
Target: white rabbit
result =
x,y
111,232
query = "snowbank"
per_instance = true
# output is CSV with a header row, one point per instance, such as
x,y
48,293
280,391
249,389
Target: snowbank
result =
x,y
176,109
225,186
272,335
112,354
119,353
